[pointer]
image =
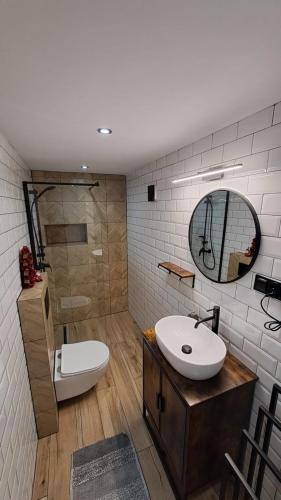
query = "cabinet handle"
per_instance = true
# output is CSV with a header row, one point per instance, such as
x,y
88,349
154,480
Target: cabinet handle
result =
x,y
158,401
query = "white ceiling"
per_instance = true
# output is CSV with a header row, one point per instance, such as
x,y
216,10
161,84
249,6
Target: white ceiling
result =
x,y
160,73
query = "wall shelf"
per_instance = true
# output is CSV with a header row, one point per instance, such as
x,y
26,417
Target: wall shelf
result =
x,y
177,271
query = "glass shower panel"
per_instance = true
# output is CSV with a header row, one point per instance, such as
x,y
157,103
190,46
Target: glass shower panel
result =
x,y
74,233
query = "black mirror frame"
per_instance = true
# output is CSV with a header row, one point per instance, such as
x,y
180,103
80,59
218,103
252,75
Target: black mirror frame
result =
x,y
257,226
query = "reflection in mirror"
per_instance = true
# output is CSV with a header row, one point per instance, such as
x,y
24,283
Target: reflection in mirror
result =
x,y
224,236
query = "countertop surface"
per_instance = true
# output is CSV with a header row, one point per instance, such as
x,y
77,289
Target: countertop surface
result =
x,y
232,375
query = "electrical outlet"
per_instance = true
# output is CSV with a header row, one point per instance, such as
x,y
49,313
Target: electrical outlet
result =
x,y
267,285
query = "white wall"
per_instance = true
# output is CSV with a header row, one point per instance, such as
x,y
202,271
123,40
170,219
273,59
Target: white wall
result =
x,y
159,232
17,426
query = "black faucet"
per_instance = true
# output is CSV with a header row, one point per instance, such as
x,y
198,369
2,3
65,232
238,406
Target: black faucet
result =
x,y
215,319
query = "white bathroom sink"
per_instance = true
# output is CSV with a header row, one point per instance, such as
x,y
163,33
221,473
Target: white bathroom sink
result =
x,y
208,350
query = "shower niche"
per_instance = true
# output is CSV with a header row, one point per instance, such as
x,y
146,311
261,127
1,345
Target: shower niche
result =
x,y
224,236
63,234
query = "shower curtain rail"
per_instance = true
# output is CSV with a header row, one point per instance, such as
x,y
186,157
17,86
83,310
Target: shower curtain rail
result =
x,y
95,184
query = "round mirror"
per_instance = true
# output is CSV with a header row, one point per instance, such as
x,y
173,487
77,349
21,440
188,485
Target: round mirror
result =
x,y
224,236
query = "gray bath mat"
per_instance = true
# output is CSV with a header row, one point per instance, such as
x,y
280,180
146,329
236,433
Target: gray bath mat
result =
x,y
107,470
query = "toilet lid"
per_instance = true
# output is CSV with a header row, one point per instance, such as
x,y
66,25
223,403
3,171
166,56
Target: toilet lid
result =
x,y
82,357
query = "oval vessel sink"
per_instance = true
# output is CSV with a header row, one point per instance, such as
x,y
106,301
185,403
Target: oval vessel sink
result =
x,y
196,353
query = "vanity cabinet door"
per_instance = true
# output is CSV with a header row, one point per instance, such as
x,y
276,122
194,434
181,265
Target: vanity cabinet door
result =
x,y
172,425
151,384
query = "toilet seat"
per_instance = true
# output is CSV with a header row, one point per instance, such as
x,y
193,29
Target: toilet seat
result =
x,y
83,357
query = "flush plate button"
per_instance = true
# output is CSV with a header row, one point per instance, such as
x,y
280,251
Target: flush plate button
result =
x,y
187,349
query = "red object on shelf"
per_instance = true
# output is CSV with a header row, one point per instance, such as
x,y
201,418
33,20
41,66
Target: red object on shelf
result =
x,y
252,249
28,274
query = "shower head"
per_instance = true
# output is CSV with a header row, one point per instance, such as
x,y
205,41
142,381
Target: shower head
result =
x,y
48,188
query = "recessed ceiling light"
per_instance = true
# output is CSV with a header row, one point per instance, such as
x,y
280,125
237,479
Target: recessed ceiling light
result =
x,y
104,131
84,167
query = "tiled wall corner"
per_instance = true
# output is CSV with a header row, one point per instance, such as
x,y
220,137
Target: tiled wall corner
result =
x,y
159,232
17,426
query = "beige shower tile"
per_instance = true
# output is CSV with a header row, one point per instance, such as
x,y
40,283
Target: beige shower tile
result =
x,y
115,189
46,176
76,193
84,193
83,311
51,278
96,212
58,334
117,252
96,308
32,320
61,291
65,316
79,177
51,174
63,313
118,270
98,193
116,232
37,358
98,177
117,177
118,304
104,307
101,307
116,212
76,212
56,256
82,289
101,290
38,175
51,212
55,312
43,394
78,255
61,277
118,288
100,272
80,274
97,233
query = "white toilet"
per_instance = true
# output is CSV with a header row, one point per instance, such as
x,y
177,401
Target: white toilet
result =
x,y
78,367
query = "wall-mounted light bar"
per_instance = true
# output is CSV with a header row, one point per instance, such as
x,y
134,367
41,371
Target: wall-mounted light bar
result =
x,y
209,173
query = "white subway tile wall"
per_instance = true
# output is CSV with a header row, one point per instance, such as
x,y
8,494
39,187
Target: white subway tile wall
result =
x,y
159,232
18,436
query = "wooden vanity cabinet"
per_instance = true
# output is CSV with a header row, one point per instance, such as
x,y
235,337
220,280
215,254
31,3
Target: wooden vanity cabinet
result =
x,y
151,385
194,423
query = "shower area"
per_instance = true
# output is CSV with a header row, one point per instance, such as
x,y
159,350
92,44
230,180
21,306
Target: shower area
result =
x,y
78,235
222,231
208,227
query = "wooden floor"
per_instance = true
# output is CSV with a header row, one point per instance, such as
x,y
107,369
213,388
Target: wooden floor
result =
x,y
113,406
